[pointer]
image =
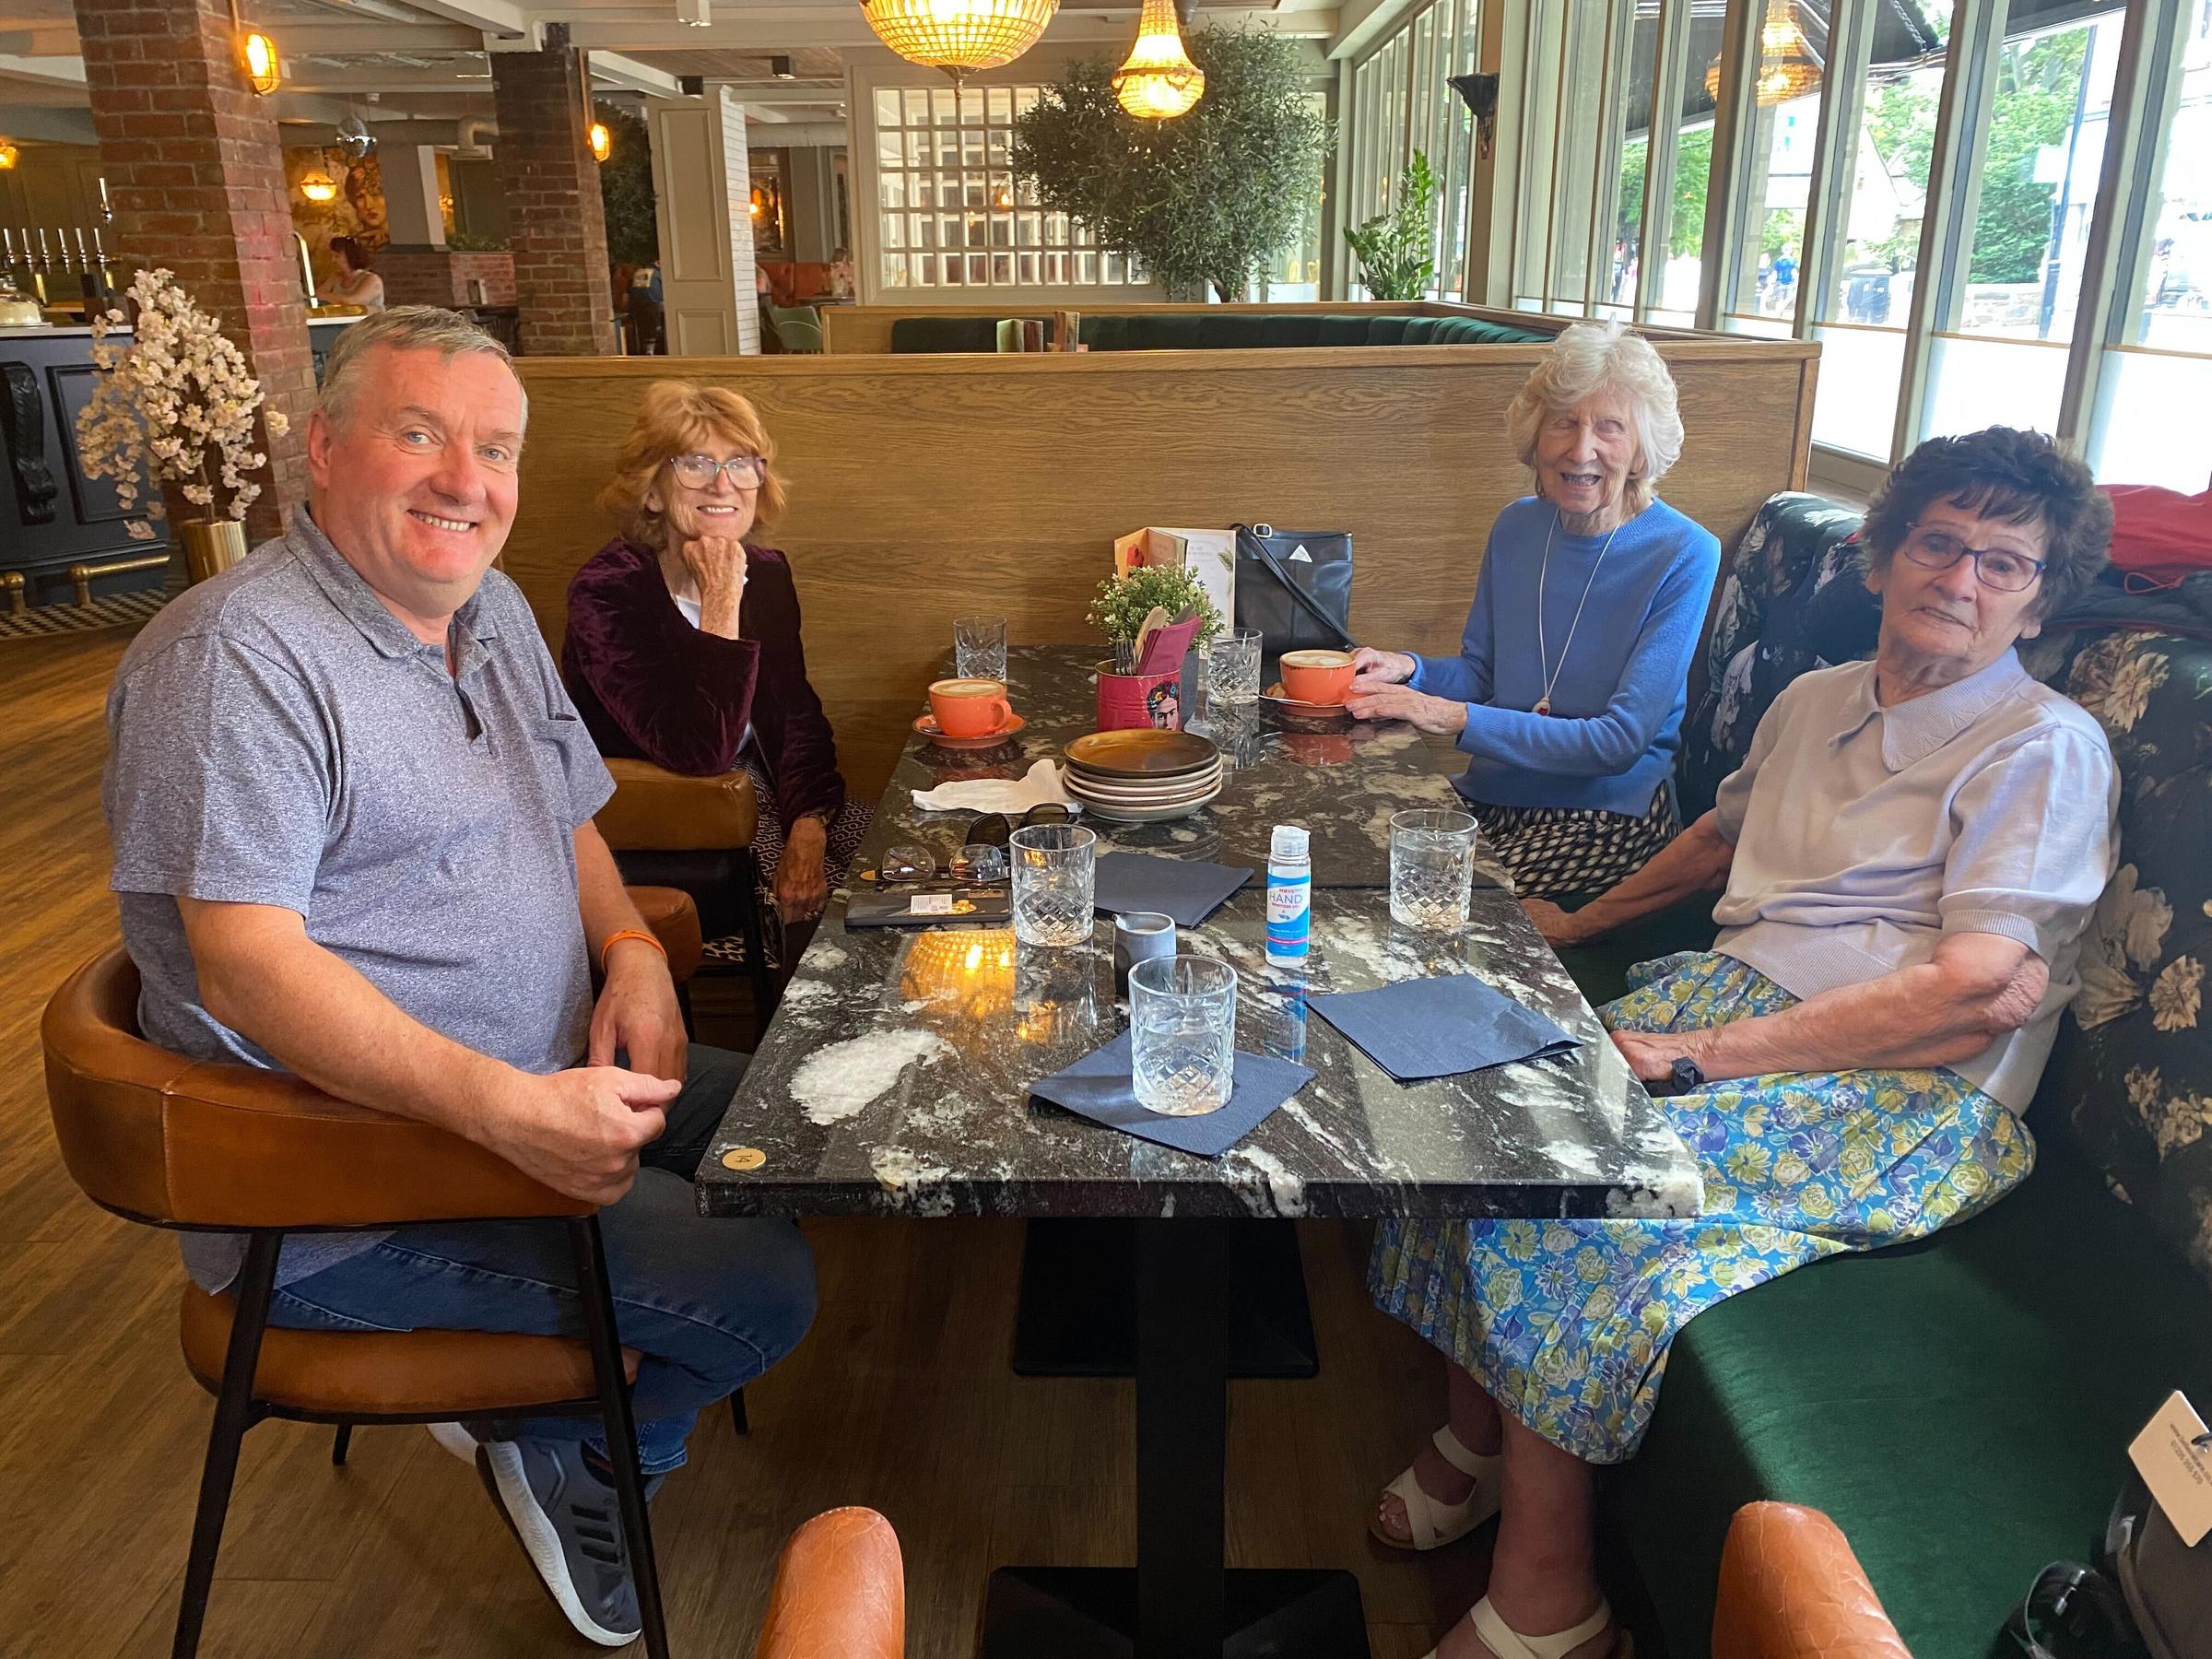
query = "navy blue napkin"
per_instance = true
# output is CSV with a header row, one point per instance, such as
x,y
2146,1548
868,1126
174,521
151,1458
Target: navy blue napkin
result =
x,y
1100,1087
1437,1028
1189,890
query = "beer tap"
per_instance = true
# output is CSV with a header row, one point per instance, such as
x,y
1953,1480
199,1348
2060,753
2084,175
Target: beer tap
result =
x,y
90,279
100,266
43,265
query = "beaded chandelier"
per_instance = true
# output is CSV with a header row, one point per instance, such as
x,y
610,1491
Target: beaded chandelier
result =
x,y
1160,79
1787,67
959,36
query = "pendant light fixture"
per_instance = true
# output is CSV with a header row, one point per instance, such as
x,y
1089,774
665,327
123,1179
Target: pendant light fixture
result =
x,y
1159,80
959,36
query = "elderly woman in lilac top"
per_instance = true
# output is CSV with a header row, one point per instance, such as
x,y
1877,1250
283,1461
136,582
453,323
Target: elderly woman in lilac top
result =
x,y
683,645
1907,859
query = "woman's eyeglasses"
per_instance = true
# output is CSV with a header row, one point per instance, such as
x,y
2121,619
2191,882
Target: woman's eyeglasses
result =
x,y
699,472
1998,567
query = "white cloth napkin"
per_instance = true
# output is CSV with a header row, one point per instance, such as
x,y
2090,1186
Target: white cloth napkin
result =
x,y
999,794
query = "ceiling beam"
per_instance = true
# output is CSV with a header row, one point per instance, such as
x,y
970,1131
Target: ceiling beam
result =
x,y
41,40
757,31
626,74
48,71
307,40
511,24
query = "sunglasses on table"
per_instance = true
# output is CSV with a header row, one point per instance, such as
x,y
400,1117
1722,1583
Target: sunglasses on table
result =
x,y
980,862
699,472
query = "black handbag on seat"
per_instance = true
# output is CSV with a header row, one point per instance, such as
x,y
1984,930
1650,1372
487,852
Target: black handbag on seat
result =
x,y
1295,587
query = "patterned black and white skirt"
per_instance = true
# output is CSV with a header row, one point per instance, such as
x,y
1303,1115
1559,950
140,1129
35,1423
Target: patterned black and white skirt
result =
x,y
1551,851
846,831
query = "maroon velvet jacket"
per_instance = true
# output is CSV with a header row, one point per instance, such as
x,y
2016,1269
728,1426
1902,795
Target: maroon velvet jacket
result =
x,y
651,687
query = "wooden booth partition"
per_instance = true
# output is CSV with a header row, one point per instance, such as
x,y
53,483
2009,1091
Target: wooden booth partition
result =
x,y
924,488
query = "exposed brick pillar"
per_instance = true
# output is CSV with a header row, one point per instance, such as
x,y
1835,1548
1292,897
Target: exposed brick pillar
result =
x,y
196,177
556,225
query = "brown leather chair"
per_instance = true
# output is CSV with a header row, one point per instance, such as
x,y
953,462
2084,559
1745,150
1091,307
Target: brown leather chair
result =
x,y
695,834
1791,1588
195,1146
840,1592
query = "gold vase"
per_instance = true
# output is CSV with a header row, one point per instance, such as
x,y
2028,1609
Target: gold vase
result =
x,y
211,546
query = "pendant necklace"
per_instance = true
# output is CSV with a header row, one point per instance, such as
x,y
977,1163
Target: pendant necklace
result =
x,y
1551,670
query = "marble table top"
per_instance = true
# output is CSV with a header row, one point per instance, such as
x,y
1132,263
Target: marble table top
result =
x,y
1341,778
894,1079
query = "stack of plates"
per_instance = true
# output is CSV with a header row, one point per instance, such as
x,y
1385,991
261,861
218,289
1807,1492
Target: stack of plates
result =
x,y
1143,776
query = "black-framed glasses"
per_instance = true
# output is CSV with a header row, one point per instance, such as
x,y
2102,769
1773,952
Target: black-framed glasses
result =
x,y
1998,567
699,472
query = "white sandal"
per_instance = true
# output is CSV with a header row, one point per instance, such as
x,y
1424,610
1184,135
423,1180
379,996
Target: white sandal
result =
x,y
1506,1642
1434,1523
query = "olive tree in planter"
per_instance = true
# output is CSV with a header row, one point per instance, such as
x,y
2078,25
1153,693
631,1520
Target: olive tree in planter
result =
x,y
1206,197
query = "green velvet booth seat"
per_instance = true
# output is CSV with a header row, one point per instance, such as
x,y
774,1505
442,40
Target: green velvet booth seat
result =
x,y
1223,330
1961,1407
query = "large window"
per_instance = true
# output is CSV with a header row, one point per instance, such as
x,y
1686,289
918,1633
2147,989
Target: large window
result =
x,y
953,215
2003,339
1402,103
1859,316
1985,210
2156,378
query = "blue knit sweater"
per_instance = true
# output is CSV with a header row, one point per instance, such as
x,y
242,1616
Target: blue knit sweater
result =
x,y
1616,708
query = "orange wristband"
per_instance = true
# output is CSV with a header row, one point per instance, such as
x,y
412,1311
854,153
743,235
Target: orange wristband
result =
x,y
616,939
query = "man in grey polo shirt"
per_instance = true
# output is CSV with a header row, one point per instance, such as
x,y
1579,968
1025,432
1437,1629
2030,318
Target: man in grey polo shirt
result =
x,y
351,808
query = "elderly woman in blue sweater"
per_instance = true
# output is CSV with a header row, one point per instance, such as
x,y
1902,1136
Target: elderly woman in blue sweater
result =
x,y
1568,688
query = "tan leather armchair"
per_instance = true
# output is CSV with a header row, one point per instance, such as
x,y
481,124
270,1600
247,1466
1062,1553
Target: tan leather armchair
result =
x,y
695,834
1791,1588
840,1592
192,1145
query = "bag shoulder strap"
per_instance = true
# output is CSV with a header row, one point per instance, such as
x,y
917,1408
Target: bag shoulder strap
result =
x,y
1265,554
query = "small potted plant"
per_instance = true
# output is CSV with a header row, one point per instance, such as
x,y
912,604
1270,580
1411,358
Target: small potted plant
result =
x,y
177,404
1126,697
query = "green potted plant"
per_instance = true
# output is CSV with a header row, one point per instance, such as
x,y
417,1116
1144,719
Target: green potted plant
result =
x,y
1126,697
1396,250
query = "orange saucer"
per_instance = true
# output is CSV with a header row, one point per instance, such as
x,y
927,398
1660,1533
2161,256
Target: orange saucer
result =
x,y
927,727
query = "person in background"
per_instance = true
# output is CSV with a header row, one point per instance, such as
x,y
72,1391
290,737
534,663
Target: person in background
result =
x,y
646,315
684,643
351,810
1909,855
355,283
1570,680
841,273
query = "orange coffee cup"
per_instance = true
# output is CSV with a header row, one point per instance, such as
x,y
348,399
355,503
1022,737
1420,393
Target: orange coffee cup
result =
x,y
970,708
1317,677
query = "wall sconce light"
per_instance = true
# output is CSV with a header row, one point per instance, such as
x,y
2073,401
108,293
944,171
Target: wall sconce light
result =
x,y
319,187
1480,92
8,155
256,56
601,141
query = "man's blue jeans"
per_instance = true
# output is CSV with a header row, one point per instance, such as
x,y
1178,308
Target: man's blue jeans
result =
x,y
707,1304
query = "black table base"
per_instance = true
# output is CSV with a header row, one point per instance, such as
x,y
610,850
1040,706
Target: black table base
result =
x,y
1077,1313
1091,1613
1180,1602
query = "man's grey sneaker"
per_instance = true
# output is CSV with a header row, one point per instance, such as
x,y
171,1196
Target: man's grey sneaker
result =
x,y
571,1527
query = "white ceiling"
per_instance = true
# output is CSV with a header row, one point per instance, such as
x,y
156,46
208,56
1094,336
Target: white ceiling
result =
x,y
427,60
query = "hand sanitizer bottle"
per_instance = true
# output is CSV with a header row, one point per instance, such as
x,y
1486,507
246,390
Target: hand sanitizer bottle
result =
x,y
1290,896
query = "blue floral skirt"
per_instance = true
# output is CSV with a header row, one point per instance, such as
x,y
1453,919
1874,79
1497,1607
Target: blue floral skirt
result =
x,y
1567,1324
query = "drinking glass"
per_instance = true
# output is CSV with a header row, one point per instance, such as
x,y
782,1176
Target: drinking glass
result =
x,y
1431,867
1053,866
1183,1034
979,647
1233,667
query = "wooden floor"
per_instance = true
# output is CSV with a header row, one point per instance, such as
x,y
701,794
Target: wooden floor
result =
x,y
901,1398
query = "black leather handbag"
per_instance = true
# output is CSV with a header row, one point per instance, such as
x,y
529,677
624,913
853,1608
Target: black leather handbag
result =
x,y
1295,587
